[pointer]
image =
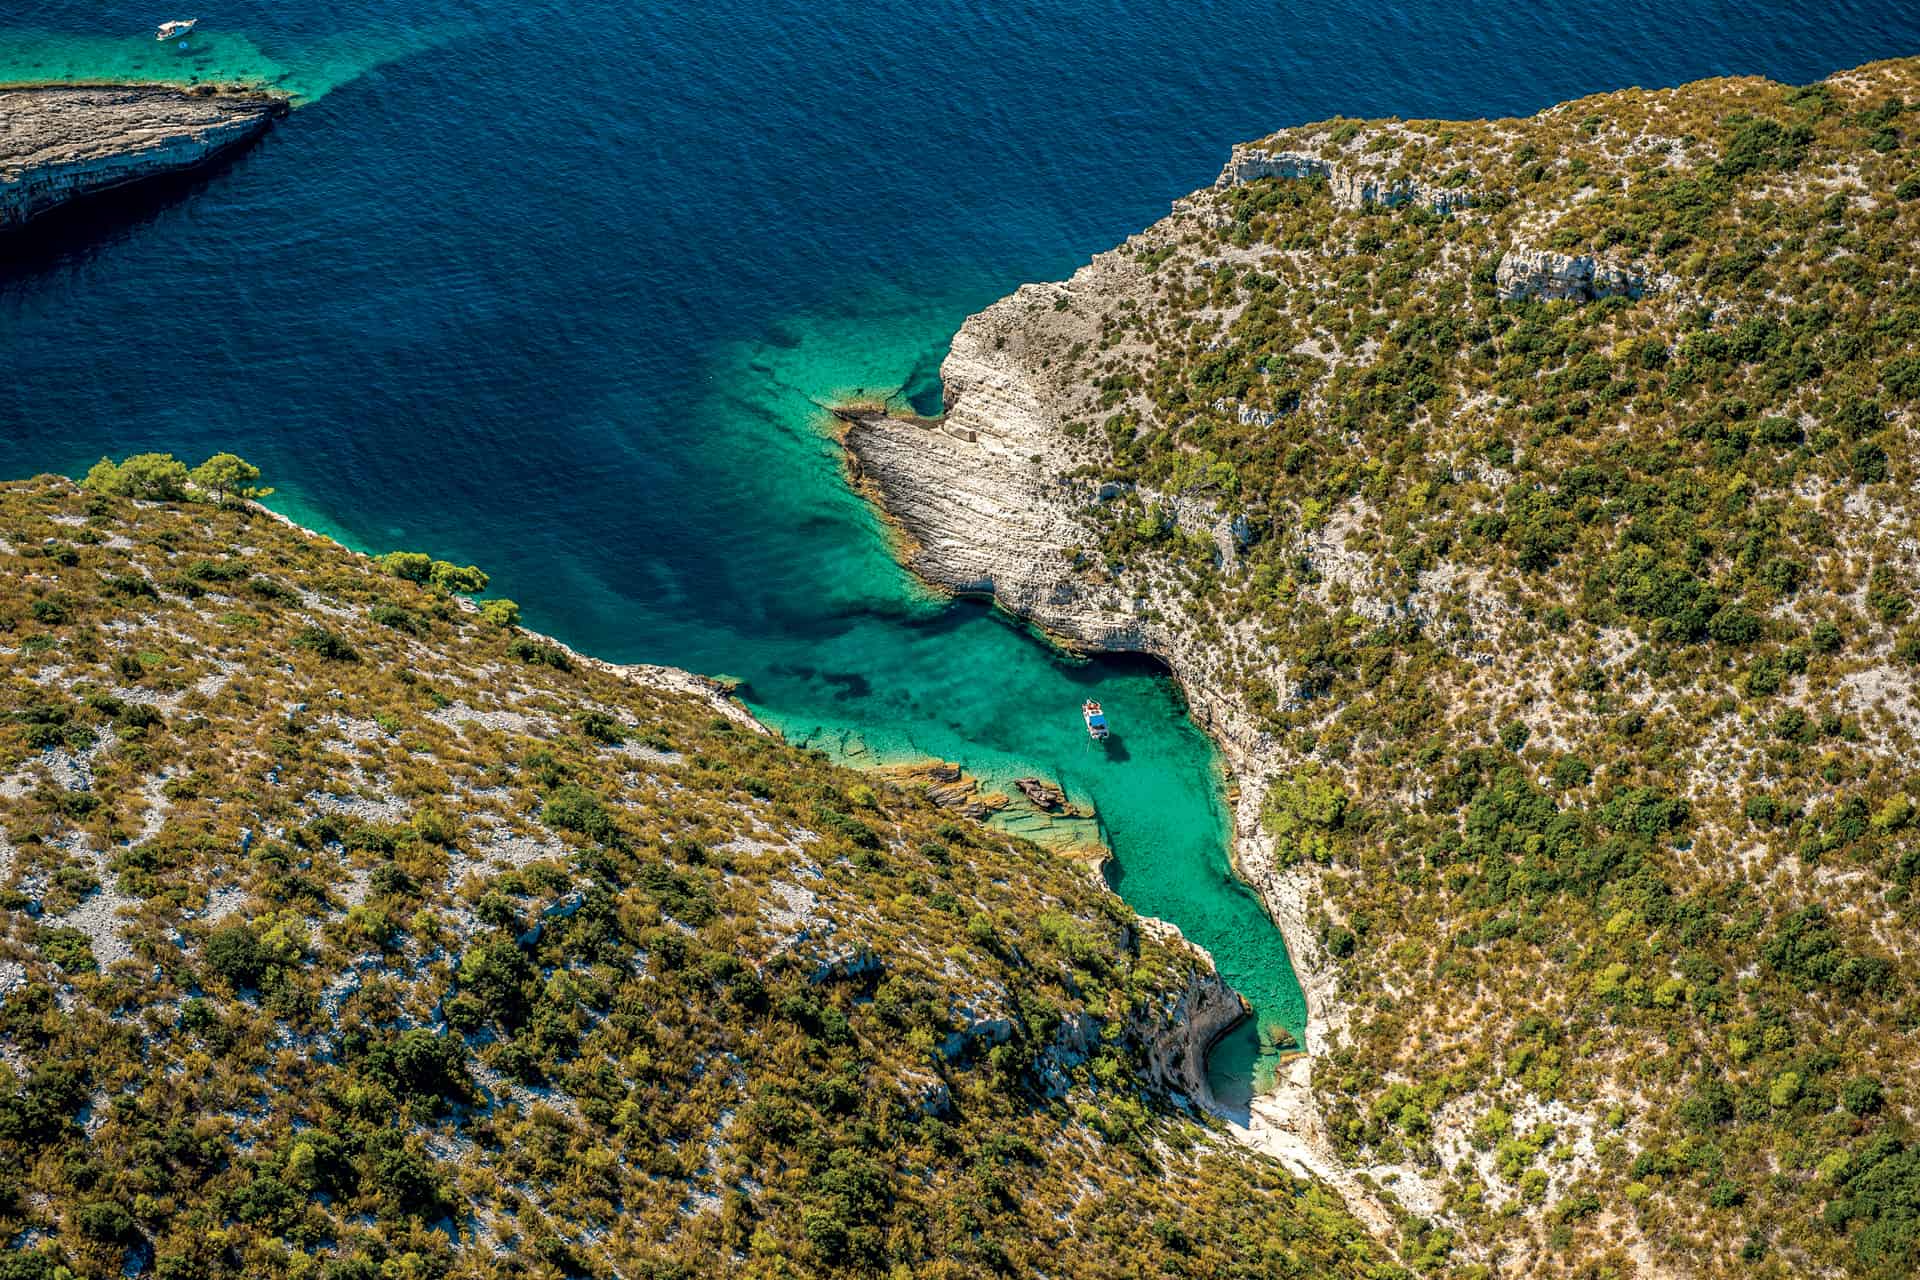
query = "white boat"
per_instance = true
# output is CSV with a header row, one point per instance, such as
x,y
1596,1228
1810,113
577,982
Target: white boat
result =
x,y
1095,718
171,30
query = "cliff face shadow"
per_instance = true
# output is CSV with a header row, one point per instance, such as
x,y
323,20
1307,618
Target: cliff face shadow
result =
x,y
89,223
1239,1113
1230,1071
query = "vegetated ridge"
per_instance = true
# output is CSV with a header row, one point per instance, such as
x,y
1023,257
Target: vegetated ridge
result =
x,y
348,930
1527,507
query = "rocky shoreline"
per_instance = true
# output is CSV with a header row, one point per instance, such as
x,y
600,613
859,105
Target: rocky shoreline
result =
x,y
976,515
1182,1035
648,675
1177,1038
61,142
984,502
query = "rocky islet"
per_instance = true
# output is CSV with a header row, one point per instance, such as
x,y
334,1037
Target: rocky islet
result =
x,y
60,143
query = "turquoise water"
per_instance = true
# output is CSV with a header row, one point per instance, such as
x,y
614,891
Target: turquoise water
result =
x,y
307,66
559,289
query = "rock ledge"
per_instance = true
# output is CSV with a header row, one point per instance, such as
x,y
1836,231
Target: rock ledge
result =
x,y
61,142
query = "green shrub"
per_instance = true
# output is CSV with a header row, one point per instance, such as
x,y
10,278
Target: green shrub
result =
x,y
204,570
156,477
31,1265
1806,949
1901,377
1862,1095
51,611
234,953
404,620
227,475
1759,144
104,1221
1301,812
419,1064
538,653
70,950
600,727
410,565
1878,1201
465,579
571,807
502,613
130,586
270,589
330,645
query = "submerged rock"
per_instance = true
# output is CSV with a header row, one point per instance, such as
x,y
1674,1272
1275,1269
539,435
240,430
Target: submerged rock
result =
x,y
61,142
1043,794
948,787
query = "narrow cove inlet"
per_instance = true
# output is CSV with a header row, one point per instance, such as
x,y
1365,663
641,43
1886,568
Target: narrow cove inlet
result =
x,y
928,678
1476,494
872,668
685,503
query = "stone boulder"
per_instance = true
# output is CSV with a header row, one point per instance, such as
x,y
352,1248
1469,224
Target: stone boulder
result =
x,y
1558,277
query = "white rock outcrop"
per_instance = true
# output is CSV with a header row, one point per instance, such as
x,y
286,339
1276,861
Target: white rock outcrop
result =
x,y
981,498
1352,186
1178,1035
1556,277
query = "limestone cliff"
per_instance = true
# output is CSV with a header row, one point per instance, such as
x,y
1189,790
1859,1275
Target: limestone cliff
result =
x,y
1542,489
1527,509
62,142
1352,182
986,506
1558,277
987,502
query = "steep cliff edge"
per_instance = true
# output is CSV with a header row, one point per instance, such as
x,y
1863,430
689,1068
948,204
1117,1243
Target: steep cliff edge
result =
x,y
61,142
989,501
1527,508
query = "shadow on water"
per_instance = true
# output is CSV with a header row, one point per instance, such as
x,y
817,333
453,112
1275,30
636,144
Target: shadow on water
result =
x,y
922,389
83,228
1115,749
964,612
1230,1070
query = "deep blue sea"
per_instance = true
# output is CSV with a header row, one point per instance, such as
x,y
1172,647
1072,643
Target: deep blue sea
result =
x,y
557,288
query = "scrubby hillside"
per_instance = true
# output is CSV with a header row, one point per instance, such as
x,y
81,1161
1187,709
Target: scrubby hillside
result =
x,y
1529,508
347,932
